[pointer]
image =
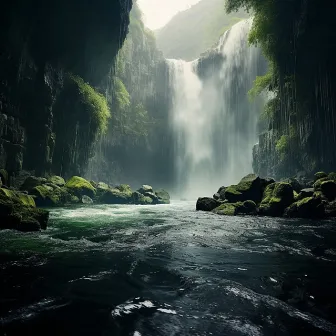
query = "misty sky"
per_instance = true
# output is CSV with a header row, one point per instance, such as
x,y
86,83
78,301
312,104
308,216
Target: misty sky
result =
x,y
158,12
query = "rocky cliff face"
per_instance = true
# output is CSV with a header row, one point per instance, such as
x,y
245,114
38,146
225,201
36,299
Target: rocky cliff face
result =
x,y
40,44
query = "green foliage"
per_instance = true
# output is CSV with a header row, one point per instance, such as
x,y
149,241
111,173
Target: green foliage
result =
x,y
95,104
190,33
261,84
121,95
282,146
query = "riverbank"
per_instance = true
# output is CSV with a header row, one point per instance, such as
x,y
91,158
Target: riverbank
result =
x,y
253,195
22,209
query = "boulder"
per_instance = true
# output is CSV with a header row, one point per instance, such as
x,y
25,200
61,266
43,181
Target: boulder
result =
x,y
332,176
249,188
233,209
56,180
221,193
206,204
46,196
330,209
276,198
320,175
151,195
317,184
145,188
4,178
163,196
80,187
18,212
126,189
227,209
86,200
328,189
115,196
294,183
31,182
309,207
304,193
216,196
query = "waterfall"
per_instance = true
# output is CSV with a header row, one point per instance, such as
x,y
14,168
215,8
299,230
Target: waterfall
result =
x,y
213,121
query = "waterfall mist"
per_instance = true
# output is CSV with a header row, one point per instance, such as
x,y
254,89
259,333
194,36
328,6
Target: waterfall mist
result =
x,y
213,121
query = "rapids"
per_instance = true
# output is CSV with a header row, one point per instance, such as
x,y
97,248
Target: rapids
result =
x,y
168,270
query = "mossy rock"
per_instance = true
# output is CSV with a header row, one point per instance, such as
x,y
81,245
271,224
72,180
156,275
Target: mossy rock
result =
x,y
4,177
317,184
249,188
163,196
332,176
228,209
17,197
151,195
56,180
147,200
206,204
14,214
239,208
115,196
46,196
31,182
320,175
137,198
145,188
304,193
294,183
277,197
330,209
79,187
125,188
328,189
309,207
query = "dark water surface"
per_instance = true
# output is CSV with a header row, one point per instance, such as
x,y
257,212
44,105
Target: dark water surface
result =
x,y
168,270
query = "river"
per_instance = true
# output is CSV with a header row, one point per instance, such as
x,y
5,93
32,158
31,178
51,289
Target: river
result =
x,y
168,270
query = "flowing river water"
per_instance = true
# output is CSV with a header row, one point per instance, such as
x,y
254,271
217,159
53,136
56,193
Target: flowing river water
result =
x,y
168,270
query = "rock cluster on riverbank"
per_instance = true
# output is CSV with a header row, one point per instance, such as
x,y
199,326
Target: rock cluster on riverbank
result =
x,y
18,208
264,197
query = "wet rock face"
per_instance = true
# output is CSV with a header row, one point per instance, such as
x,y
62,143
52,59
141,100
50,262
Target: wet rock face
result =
x,y
50,40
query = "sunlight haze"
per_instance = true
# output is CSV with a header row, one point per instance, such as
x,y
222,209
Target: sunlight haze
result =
x,y
158,12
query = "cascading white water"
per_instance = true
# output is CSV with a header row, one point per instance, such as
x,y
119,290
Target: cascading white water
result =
x,y
214,123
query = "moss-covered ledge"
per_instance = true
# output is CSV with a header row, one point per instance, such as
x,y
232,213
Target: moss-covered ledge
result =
x,y
254,195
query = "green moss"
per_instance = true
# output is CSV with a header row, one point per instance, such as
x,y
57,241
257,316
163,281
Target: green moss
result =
x,y
228,209
332,176
163,196
115,196
79,187
320,175
318,183
95,103
125,188
27,200
7,193
147,200
56,180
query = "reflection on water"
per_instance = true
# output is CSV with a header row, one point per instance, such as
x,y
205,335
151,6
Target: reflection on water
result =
x,y
168,270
